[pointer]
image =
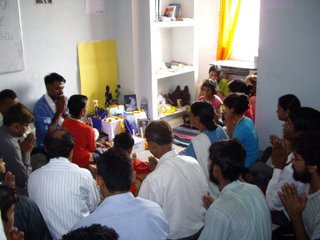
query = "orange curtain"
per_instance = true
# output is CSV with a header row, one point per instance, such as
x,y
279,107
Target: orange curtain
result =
x,y
229,15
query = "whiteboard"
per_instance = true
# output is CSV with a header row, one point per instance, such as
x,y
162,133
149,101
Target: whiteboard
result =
x,y
11,53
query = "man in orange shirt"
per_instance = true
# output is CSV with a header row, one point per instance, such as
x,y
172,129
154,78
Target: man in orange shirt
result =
x,y
83,134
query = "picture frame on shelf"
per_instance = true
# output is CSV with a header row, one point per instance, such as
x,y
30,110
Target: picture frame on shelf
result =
x,y
170,12
130,102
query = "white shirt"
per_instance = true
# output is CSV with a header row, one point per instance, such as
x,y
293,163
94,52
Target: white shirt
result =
x,y
311,215
201,144
177,185
279,178
64,193
240,212
2,234
130,217
53,107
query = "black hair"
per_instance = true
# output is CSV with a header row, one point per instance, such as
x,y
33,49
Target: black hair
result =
x,y
307,145
123,140
53,77
205,112
212,84
7,93
217,69
95,231
305,119
238,101
229,155
240,86
17,113
251,81
76,103
59,143
289,101
159,132
8,198
115,168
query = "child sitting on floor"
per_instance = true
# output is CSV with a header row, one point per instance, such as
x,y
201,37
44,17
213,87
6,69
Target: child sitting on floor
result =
x,y
215,73
126,142
209,94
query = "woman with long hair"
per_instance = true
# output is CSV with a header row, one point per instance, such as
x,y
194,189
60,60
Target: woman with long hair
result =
x,y
202,118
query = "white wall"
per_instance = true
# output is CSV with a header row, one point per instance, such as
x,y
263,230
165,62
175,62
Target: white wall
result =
x,y
208,27
288,54
125,51
288,59
50,36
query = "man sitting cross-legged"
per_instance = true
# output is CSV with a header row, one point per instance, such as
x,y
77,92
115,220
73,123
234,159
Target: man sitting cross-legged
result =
x,y
177,184
130,217
304,209
126,142
64,192
241,210
300,120
16,153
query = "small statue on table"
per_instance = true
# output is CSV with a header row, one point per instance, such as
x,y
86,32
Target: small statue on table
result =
x,y
108,96
118,92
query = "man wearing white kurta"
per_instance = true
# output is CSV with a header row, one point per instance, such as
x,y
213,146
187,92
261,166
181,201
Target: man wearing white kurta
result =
x,y
177,184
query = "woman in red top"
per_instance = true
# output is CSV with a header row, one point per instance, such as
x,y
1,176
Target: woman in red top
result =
x,y
83,134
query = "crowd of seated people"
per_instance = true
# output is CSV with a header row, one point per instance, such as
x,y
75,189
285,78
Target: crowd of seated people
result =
x,y
202,192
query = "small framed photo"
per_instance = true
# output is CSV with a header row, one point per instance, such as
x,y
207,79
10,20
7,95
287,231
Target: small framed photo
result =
x,y
130,103
143,123
170,11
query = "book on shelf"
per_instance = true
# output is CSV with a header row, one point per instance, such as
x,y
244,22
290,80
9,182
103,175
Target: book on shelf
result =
x,y
170,12
177,13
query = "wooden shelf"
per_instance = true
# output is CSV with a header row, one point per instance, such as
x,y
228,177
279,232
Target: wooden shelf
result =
x,y
174,72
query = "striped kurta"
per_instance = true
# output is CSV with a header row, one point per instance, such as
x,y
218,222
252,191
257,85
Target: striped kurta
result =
x,y
311,215
240,212
64,193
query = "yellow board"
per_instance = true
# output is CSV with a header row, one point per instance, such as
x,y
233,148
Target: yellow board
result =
x,y
98,68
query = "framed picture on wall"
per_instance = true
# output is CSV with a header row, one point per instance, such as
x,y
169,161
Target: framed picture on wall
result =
x,y
130,102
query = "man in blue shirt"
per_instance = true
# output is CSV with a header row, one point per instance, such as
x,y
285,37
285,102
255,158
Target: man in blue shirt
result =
x,y
130,217
241,210
50,109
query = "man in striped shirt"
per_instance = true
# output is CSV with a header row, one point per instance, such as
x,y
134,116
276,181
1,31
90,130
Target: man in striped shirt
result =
x,y
304,209
241,210
64,192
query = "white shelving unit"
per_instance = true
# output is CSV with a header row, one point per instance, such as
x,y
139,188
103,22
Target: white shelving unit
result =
x,y
172,41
